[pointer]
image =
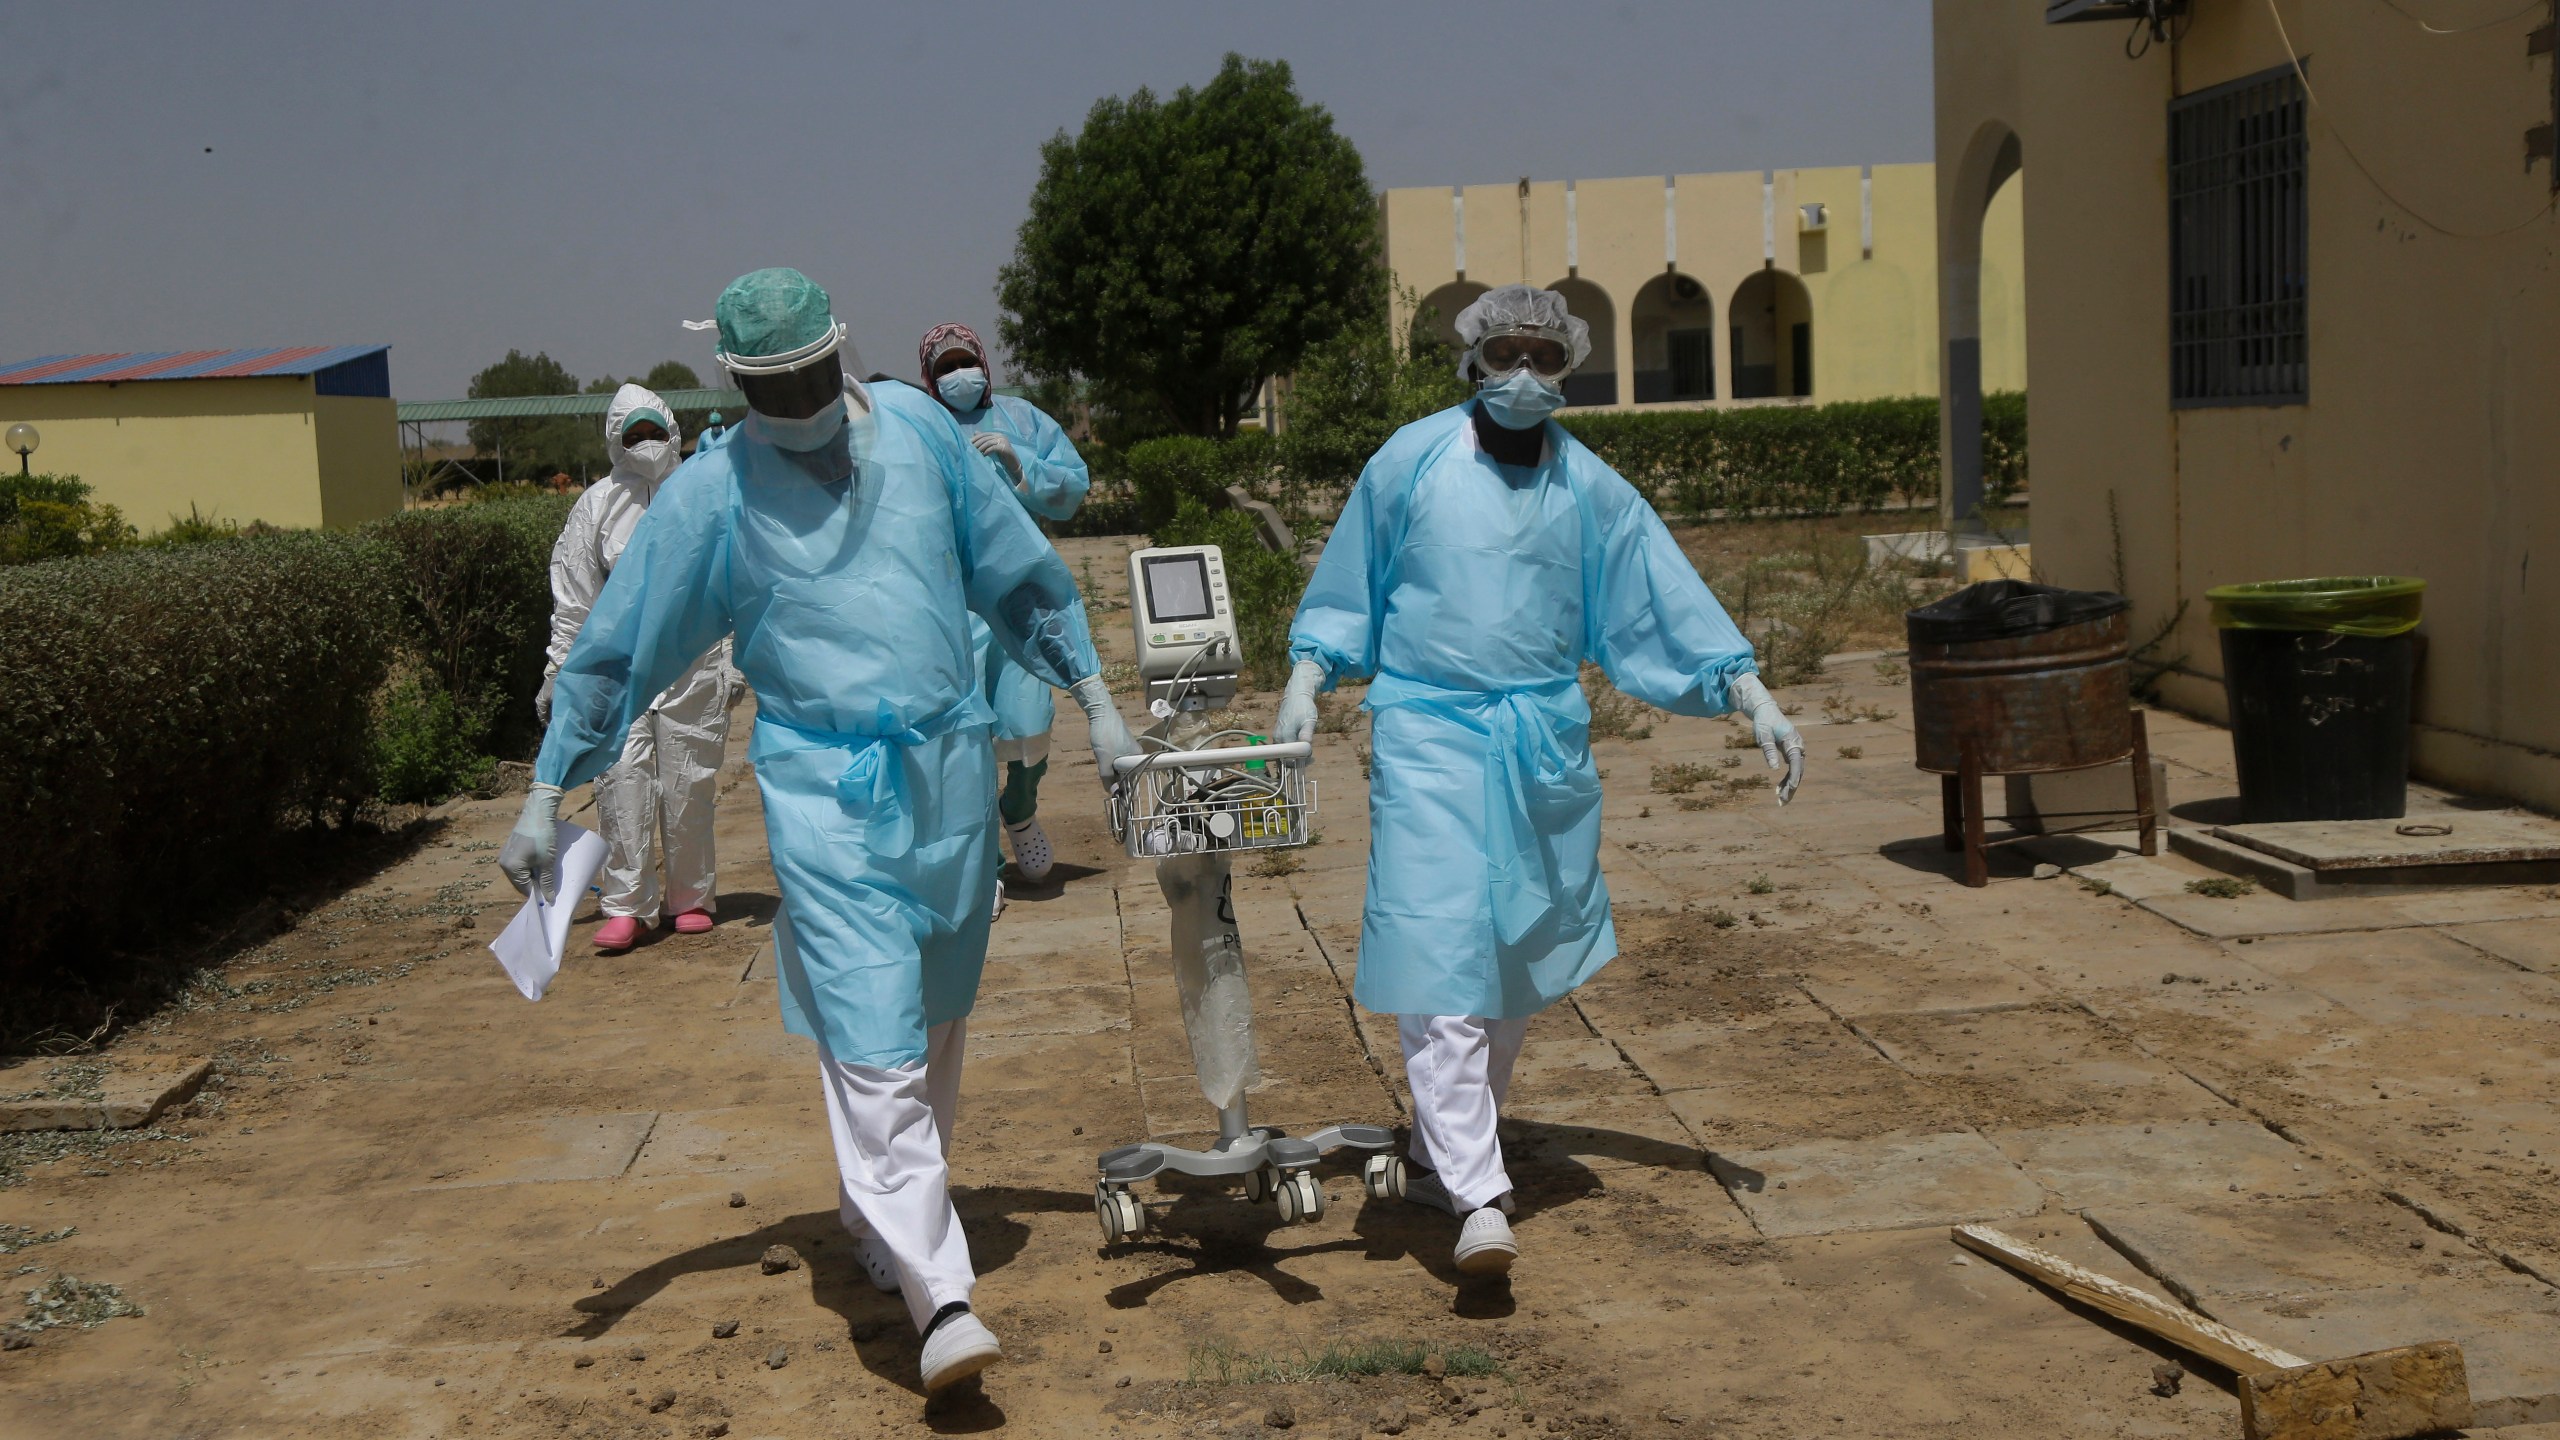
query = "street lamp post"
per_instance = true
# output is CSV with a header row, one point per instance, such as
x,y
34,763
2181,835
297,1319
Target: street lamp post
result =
x,y
24,439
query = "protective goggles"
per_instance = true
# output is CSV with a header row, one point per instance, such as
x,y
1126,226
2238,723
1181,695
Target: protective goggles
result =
x,y
1544,354
793,394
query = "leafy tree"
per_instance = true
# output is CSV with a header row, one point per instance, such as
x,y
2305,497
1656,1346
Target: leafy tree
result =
x,y
543,445
669,375
1180,252
1357,389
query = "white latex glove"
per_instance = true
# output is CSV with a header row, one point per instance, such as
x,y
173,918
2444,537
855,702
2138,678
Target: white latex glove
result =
x,y
542,698
531,855
997,448
1297,718
1111,737
1775,732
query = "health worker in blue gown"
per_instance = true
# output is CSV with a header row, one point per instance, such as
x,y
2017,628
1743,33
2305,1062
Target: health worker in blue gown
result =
x,y
844,536
1050,480
1484,556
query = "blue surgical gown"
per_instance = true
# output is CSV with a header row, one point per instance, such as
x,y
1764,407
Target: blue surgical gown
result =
x,y
851,605
1054,481
1473,592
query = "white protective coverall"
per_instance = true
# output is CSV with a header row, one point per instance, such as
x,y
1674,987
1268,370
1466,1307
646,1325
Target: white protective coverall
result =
x,y
670,766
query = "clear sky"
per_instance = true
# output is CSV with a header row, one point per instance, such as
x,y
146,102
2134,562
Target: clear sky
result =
x,y
459,178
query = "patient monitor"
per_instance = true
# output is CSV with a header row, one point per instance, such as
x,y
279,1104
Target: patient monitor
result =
x,y
1185,626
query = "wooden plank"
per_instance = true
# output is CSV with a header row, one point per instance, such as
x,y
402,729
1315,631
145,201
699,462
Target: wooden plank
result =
x,y
2221,1344
2469,838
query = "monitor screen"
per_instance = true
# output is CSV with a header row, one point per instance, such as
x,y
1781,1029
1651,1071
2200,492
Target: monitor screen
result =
x,y
1177,588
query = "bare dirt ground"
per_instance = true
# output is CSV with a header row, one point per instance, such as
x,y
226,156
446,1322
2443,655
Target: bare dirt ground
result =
x,y
411,1204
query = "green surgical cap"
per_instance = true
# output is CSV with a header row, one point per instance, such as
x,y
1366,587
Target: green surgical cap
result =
x,y
772,312
641,414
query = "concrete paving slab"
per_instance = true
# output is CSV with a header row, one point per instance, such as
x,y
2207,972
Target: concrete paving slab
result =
x,y
129,1094
1572,1067
2169,1161
1048,969
1604,1133
1690,1055
1028,931
1055,1010
2528,944
2406,976
2052,1060
725,1141
2509,1333
1950,984
1898,1181
541,1149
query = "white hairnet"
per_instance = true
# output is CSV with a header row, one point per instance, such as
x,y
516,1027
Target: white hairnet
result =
x,y
1522,310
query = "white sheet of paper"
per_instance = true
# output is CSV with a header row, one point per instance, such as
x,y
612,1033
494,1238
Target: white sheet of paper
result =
x,y
531,945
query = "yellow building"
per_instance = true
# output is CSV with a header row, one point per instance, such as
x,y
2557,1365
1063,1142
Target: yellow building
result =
x,y
295,437
2286,327
1703,290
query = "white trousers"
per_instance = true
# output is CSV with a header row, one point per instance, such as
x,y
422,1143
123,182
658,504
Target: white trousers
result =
x,y
892,1130
1460,1070
666,780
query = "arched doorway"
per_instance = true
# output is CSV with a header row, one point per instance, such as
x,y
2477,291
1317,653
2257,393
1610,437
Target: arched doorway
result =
x,y
1989,160
1673,323
1772,323
1437,318
1596,383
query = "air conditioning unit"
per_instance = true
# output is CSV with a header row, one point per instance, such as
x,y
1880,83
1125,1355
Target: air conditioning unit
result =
x,y
1813,219
2063,12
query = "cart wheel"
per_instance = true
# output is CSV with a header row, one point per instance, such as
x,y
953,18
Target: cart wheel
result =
x,y
1260,1183
1291,1203
1383,1175
1301,1198
1122,1217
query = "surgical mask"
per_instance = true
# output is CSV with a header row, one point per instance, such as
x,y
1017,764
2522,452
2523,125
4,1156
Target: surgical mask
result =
x,y
1520,400
963,389
798,435
651,459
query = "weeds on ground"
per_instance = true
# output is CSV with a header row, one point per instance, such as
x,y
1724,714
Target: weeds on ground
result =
x,y
2222,887
1892,672
1762,885
1679,779
1614,715
1276,863
1853,752
1841,711
1221,1363
1337,714
2094,885
1719,917
69,1300
1120,677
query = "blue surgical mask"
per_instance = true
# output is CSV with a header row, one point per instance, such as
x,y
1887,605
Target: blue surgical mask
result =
x,y
1520,400
800,435
963,389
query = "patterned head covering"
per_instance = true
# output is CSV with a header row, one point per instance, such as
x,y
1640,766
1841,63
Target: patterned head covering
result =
x,y
947,336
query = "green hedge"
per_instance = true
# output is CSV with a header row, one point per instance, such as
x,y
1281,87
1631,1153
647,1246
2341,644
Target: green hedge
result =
x,y
164,714
169,715
1855,455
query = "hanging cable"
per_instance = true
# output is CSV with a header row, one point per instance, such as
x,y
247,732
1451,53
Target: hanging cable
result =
x,y
2538,7
2366,171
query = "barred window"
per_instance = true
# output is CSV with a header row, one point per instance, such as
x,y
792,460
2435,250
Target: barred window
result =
x,y
2238,261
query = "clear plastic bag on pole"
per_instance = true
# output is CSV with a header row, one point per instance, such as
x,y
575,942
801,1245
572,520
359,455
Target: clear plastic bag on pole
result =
x,y
1208,969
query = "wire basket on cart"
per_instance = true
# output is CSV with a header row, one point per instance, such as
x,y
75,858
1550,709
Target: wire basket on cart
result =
x,y
1191,802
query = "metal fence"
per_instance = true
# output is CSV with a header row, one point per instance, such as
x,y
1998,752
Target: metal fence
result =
x,y
2238,255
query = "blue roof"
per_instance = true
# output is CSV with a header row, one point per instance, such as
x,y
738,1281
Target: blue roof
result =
x,y
184,364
